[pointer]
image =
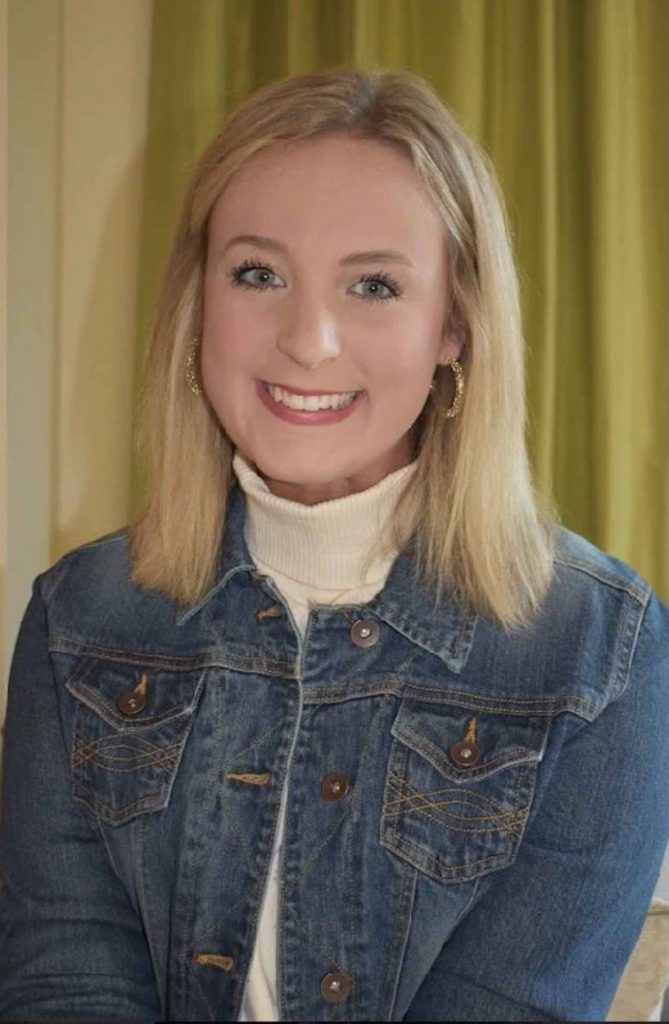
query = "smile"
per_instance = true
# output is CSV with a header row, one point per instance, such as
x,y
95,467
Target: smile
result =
x,y
308,409
310,403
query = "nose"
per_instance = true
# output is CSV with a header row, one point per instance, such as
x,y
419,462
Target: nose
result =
x,y
309,334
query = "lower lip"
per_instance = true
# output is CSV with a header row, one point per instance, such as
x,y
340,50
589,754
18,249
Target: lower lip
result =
x,y
321,416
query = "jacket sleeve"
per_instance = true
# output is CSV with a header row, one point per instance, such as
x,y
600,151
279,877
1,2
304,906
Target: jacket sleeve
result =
x,y
549,937
71,945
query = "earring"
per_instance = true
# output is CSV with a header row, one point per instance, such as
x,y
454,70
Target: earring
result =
x,y
459,389
191,375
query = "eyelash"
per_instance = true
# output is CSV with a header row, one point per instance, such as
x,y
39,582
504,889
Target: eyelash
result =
x,y
379,278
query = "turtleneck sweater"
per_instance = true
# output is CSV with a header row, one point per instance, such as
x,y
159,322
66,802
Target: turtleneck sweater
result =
x,y
334,552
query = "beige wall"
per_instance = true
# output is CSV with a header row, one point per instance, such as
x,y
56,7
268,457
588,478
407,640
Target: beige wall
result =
x,y
77,92
3,320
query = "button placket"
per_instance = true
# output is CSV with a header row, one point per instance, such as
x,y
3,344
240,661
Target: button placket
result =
x,y
337,986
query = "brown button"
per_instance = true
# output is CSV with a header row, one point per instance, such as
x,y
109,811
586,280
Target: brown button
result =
x,y
130,703
133,701
465,753
336,986
334,786
364,633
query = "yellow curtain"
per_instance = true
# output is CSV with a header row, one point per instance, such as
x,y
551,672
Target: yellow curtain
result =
x,y
571,100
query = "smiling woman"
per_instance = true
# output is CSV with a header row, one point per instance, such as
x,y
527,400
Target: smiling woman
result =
x,y
343,234
345,716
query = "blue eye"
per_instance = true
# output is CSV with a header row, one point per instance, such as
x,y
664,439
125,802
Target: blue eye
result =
x,y
253,274
238,275
385,288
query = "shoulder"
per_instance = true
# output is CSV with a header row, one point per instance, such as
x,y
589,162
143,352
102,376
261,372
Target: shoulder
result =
x,y
99,564
598,622
589,568
91,599
600,595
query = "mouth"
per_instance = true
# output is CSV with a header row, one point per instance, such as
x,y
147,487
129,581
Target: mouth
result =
x,y
308,407
308,400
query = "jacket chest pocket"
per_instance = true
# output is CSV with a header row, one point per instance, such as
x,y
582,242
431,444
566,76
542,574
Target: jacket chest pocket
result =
x,y
130,729
459,786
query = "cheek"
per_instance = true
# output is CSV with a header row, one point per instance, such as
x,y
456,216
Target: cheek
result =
x,y
230,338
228,314
403,357
222,352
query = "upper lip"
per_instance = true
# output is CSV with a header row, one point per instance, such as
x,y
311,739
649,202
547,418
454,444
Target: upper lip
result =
x,y
308,391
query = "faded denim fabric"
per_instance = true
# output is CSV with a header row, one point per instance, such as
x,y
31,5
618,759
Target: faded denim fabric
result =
x,y
146,751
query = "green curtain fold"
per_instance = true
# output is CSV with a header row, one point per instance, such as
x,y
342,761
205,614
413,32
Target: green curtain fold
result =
x,y
571,100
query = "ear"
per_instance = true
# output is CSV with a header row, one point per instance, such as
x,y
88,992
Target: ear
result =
x,y
453,342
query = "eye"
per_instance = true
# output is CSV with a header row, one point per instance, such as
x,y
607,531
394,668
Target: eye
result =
x,y
253,274
379,288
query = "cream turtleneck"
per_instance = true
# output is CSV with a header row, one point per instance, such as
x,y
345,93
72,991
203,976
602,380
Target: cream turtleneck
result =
x,y
335,552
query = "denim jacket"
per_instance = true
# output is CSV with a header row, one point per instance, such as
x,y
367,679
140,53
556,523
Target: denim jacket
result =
x,y
475,819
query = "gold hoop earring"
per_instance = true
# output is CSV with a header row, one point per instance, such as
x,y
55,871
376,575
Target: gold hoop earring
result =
x,y
459,389
191,375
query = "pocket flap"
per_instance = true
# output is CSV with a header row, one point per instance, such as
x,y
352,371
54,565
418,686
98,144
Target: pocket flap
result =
x,y
502,739
161,695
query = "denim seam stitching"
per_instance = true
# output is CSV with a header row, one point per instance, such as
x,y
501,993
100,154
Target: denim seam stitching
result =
x,y
500,703
513,816
590,568
86,750
62,644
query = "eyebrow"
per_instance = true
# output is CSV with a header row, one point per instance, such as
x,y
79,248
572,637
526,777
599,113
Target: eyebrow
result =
x,y
372,256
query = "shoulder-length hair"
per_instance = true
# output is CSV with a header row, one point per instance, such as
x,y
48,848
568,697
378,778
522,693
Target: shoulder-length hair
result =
x,y
481,531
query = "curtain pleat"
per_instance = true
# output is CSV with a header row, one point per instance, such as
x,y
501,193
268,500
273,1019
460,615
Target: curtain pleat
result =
x,y
571,100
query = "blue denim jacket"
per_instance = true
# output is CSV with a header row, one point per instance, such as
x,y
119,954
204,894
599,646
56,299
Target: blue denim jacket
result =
x,y
475,821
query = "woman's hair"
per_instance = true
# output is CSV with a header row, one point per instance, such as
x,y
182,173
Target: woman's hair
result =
x,y
481,531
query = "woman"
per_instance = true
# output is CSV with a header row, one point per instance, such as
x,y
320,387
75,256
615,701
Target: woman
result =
x,y
345,717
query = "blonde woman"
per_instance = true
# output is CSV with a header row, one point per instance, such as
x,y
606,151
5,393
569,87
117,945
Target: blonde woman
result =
x,y
345,726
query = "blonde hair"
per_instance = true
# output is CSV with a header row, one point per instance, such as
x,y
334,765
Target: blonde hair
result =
x,y
482,531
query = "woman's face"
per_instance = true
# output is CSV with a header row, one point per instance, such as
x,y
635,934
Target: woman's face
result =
x,y
341,289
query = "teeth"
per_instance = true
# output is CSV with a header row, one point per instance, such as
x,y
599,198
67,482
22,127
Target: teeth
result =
x,y
310,403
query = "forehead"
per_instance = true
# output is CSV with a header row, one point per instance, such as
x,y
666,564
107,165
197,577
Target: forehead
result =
x,y
329,187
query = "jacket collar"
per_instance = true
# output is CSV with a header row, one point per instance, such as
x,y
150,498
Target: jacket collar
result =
x,y
408,606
